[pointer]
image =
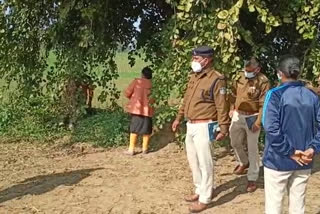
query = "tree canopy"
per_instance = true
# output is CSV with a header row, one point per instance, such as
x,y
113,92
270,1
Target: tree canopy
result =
x,y
85,35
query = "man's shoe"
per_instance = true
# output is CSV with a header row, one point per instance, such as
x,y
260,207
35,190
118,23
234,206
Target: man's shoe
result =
x,y
252,186
198,207
241,170
191,198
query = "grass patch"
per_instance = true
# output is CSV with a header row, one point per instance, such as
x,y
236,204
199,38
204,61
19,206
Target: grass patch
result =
x,y
105,128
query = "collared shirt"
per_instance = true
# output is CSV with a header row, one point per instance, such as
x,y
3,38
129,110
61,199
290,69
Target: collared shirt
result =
x,y
205,98
248,94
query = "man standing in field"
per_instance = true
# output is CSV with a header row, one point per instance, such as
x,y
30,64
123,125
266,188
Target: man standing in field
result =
x,y
204,105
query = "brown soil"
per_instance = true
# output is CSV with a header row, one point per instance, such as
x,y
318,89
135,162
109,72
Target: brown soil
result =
x,y
80,179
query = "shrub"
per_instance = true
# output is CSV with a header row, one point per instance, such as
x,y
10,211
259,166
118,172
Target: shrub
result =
x,y
105,128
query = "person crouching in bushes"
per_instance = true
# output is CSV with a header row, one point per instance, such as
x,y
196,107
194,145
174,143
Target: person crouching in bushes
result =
x,y
138,93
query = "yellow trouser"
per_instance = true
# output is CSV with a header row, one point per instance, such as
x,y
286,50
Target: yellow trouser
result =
x,y
133,141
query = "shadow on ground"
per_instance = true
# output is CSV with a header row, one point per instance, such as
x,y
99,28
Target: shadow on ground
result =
x,y
44,183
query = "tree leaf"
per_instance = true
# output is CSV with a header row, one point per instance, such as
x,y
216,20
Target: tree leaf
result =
x,y
301,30
181,7
188,6
221,26
227,36
276,23
223,14
225,59
268,28
180,15
251,8
287,20
306,9
231,50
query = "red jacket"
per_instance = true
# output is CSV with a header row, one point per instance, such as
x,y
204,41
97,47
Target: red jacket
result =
x,y
138,92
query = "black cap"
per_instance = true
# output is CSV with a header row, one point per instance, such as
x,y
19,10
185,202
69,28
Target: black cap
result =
x,y
202,51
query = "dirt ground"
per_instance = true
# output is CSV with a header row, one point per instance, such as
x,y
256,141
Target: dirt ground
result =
x,y
46,179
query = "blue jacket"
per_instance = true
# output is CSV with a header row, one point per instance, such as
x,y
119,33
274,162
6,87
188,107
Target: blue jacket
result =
x,y
291,118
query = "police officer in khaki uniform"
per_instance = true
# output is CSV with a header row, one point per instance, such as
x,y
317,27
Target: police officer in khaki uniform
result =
x,y
247,99
204,103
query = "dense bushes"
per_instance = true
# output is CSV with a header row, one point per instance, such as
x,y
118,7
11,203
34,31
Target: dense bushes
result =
x,y
33,118
38,118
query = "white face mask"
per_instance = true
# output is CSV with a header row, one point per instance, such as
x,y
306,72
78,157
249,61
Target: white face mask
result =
x,y
279,76
196,66
249,75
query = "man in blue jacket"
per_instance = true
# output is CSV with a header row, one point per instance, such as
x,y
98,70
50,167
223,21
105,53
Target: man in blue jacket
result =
x,y
291,117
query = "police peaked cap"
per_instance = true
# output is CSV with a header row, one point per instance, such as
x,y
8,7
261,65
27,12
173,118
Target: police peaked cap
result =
x,y
202,51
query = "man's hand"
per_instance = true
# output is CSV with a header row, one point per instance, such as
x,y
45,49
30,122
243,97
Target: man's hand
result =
x,y
308,155
231,113
220,136
175,125
297,157
255,128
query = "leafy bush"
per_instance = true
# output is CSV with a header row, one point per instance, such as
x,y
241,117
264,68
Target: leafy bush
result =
x,y
38,118
105,128
33,118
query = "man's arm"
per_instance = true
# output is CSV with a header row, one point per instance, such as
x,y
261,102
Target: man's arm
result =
x,y
222,106
233,96
129,91
264,89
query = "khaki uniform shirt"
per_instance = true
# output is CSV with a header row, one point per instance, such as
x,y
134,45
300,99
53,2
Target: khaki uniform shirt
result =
x,y
248,94
308,84
205,100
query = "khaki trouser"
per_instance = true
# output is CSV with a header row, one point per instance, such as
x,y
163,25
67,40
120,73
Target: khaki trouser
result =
x,y
239,133
276,183
199,155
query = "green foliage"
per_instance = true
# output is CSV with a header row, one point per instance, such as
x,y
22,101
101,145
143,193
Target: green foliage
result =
x,y
86,35
35,118
236,30
106,128
83,35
